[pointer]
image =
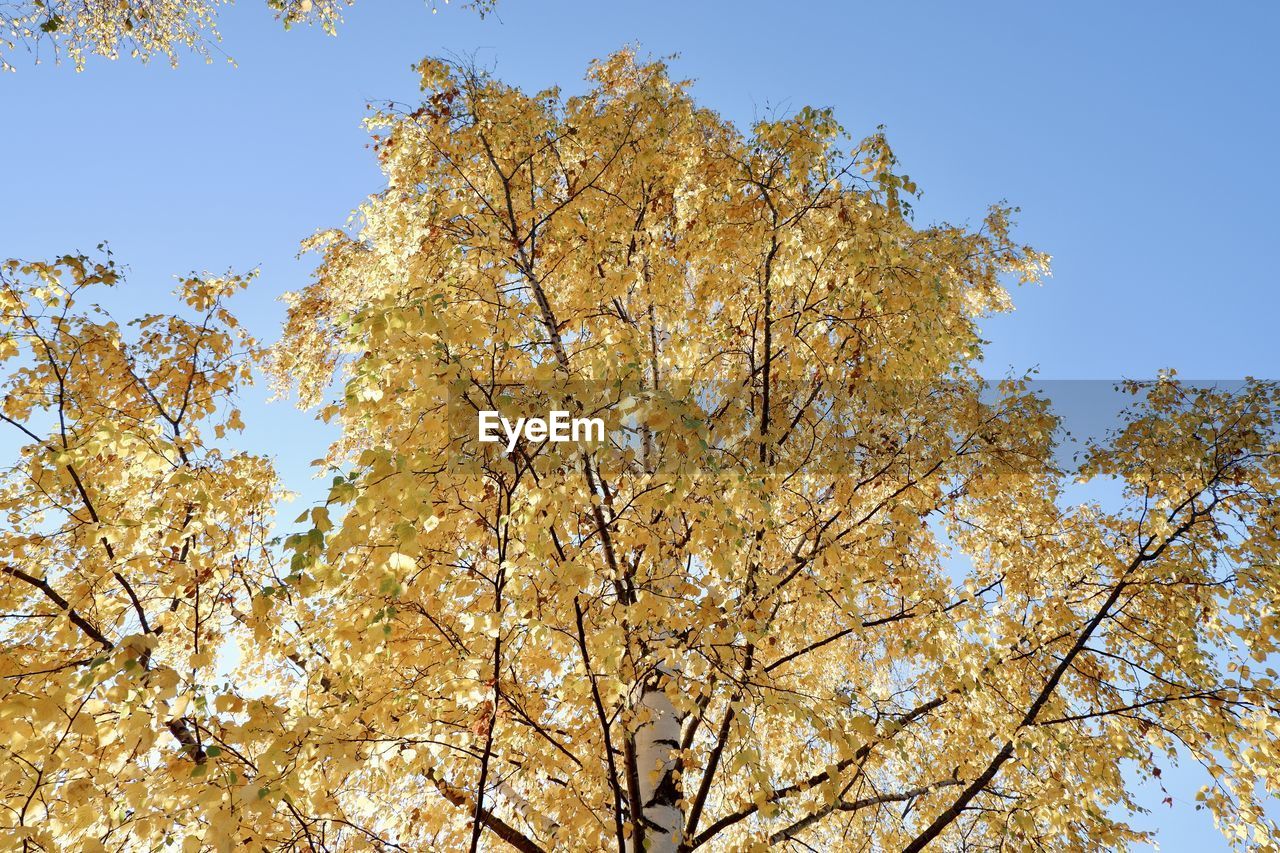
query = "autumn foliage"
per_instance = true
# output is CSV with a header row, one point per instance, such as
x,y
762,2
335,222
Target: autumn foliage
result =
x,y
144,29
818,589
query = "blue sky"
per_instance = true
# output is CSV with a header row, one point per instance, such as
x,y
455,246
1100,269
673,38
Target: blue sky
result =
x,y
1138,139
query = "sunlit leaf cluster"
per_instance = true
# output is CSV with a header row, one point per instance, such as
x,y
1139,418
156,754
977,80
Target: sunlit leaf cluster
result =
x,y
142,29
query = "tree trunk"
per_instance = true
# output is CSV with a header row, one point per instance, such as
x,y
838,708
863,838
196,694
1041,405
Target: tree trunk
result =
x,y
657,739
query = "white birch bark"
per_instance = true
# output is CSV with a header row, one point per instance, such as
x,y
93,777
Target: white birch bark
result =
x,y
657,738
521,806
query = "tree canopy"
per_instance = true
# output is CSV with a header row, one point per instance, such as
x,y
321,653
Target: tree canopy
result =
x,y
143,29
818,589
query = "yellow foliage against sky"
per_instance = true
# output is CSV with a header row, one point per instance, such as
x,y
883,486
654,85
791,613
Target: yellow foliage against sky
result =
x,y
815,588
142,29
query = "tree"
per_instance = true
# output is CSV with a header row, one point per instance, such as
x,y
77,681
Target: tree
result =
x,y
143,28
129,542
731,625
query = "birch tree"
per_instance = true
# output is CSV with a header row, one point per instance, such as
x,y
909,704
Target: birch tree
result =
x,y
816,588
732,626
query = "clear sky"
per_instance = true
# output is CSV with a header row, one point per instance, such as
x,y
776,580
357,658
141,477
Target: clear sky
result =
x,y
1137,137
